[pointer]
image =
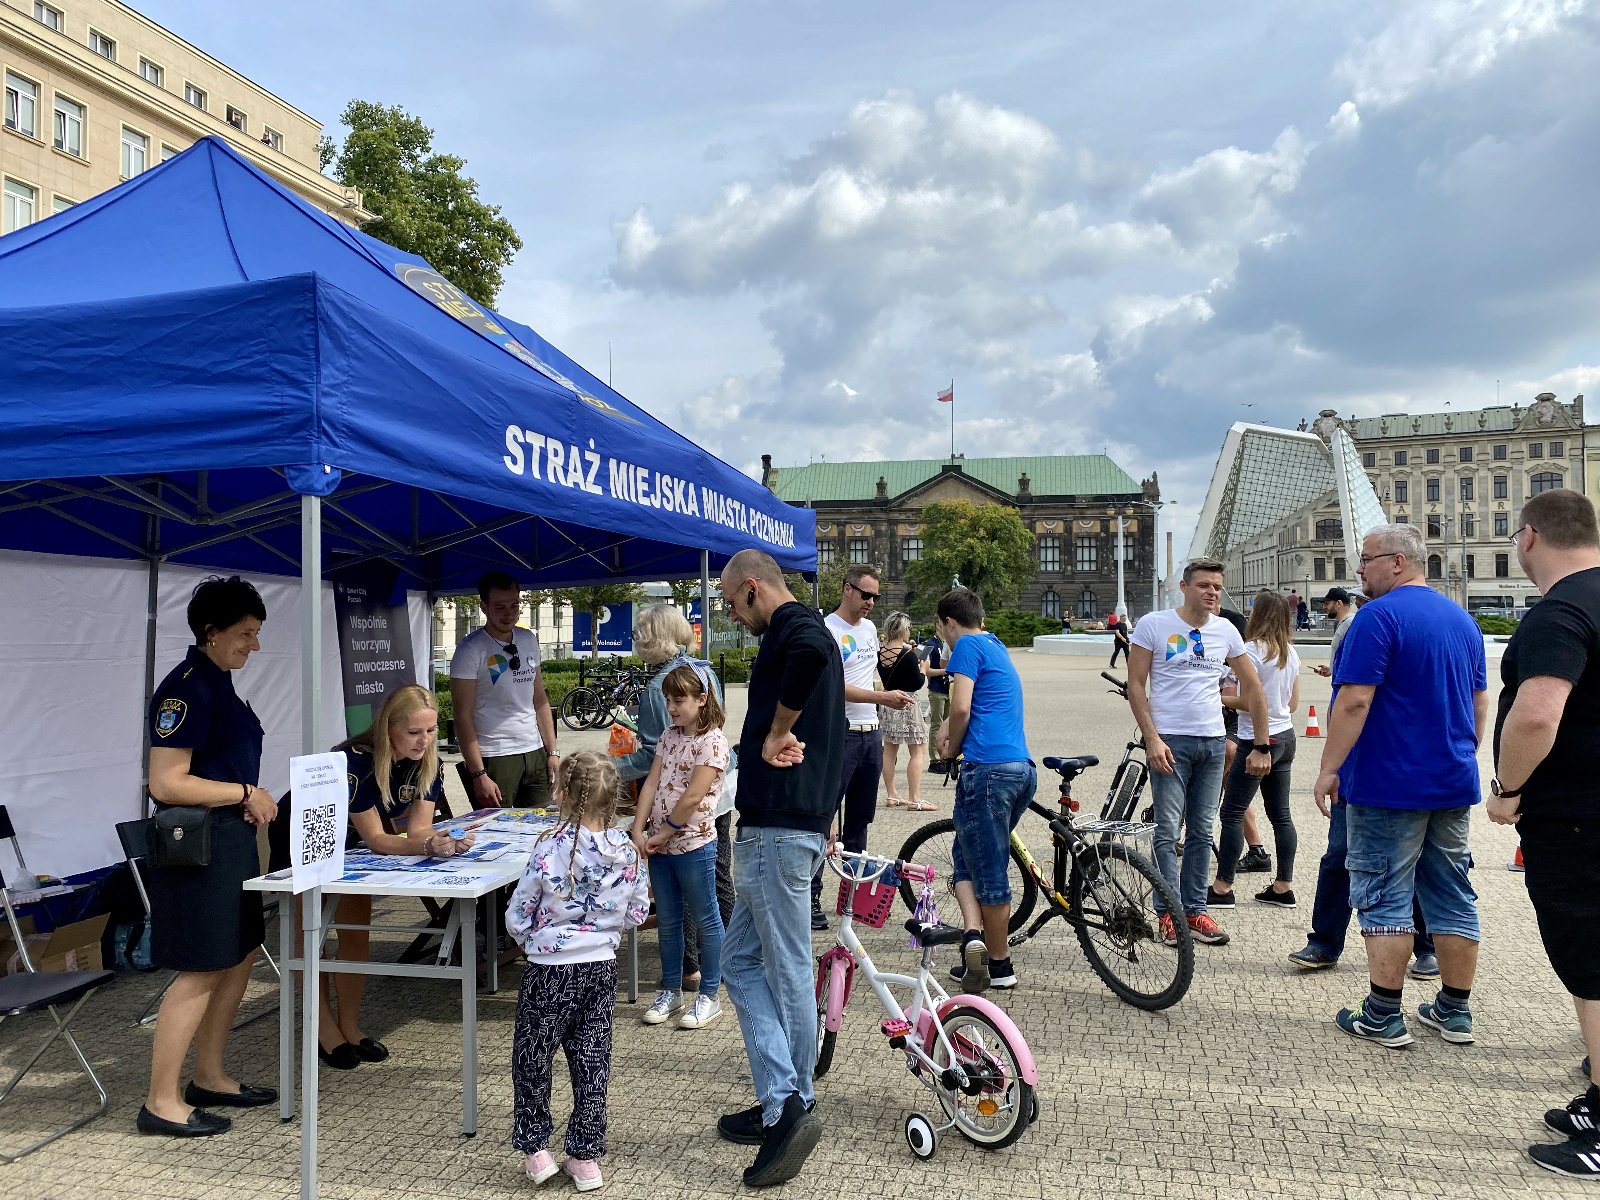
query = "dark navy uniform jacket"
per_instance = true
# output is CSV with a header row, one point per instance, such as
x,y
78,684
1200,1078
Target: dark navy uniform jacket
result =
x,y
403,789
195,708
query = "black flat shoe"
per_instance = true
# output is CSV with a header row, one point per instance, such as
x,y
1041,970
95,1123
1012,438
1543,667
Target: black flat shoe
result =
x,y
343,1057
245,1097
372,1050
199,1124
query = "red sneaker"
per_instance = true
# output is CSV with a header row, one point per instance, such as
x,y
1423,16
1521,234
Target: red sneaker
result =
x,y
1207,930
1168,931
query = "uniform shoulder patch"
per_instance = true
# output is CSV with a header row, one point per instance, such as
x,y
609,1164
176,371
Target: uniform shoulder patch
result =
x,y
169,717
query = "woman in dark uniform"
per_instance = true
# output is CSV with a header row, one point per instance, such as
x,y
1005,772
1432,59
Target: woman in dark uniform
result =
x,y
205,752
395,786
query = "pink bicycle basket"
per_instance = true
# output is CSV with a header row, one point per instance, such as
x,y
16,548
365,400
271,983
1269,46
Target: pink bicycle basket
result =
x,y
869,902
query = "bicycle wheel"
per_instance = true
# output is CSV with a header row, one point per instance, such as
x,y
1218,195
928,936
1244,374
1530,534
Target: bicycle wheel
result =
x,y
1126,791
573,711
993,1107
594,708
1113,891
830,992
934,845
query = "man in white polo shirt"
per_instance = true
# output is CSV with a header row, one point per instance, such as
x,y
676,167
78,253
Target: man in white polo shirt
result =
x,y
852,628
1179,658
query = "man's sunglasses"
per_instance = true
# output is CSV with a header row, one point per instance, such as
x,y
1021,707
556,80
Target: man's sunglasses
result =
x,y
516,660
1199,646
864,595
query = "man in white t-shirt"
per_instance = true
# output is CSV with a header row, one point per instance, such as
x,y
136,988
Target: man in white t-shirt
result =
x,y
857,637
1178,661
503,719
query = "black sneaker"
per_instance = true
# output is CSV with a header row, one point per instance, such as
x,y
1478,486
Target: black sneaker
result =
x,y
1255,859
819,919
1579,1118
742,1127
1579,1157
785,1146
975,978
1216,899
1275,898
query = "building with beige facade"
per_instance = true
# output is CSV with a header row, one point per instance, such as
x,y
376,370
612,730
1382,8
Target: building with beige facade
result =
x,y
95,93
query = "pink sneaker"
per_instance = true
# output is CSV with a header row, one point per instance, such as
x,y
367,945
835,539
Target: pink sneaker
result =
x,y
541,1166
585,1174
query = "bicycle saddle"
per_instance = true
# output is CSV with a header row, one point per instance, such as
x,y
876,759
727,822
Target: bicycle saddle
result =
x,y
1071,766
933,935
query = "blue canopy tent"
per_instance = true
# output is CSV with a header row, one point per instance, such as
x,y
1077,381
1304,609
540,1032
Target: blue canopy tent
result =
x,y
198,367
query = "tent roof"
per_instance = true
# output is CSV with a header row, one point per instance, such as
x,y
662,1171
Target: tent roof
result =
x,y
190,351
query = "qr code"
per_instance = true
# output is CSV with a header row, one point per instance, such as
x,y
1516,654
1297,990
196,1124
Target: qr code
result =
x,y
317,840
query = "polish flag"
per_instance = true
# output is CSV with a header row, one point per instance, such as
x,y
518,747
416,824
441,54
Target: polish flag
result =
x,y
948,396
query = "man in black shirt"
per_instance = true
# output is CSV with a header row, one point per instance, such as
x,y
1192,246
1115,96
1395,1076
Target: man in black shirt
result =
x,y
1547,762
790,755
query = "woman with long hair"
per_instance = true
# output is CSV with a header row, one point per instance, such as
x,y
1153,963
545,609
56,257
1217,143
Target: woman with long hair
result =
x,y
900,668
1269,637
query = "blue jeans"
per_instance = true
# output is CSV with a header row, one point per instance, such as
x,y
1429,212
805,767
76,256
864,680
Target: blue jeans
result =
x,y
767,964
1399,857
1189,797
990,800
688,881
1330,909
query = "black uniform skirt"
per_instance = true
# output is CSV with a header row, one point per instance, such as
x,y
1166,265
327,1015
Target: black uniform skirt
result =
x,y
201,918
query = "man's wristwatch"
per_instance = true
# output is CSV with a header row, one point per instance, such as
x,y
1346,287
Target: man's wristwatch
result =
x,y
1263,749
1498,789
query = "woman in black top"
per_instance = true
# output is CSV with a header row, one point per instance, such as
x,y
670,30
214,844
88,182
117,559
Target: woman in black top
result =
x,y
901,670
205,752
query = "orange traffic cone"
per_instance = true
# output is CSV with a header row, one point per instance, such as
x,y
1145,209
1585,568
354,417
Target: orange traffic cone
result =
x,y
1312,728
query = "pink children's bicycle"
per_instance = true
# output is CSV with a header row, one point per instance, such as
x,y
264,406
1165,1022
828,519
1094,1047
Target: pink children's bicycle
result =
x,y
964,1049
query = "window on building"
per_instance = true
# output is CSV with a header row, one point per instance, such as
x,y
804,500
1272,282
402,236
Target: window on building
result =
x,y
60,204
1466,488
47,15
1086,553
237,119
1369,459
1049,553
1543,481
1502,525
859,549
1502,566
826,553
1500,452
168,152
1466,454
1088,605
1399,458
1472,566
273,138
21,202
1433,456
1050,604
1127,548
1319,569
152,72
1435,567
1558,449
1535,449
1433,491
69,126
1469,525
1434,528
1500,487
1338,568
102,45
22,105
1401,491
910,549
1329,529
194,95
135,152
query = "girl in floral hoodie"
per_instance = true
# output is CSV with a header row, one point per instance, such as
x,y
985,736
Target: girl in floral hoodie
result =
x,y
584,885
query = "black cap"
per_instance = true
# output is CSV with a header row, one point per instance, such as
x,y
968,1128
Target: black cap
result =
x,y
1337,594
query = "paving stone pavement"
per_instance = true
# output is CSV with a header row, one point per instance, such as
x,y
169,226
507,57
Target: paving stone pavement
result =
x,y
1244,1088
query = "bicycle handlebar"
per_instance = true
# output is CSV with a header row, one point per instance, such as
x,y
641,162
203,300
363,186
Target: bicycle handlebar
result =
x,y
906,870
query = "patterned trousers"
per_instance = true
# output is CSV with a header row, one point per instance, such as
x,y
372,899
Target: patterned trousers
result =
x,y
567,1005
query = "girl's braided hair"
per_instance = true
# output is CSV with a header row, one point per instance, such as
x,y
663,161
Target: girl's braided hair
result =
x,y
588,787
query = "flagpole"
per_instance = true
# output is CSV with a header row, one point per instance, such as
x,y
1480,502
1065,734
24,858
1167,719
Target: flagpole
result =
x,y
952,418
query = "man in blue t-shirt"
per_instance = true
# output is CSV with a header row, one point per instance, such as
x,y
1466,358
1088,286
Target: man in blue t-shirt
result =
x,y
996,783
1402,752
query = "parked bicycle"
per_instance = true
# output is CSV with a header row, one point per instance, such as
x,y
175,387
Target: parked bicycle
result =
x,y
594,705
964,1049
1127,785
1099,884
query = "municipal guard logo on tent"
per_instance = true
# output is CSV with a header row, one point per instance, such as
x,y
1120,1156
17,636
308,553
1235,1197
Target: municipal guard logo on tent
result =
x,y
169,716
610,410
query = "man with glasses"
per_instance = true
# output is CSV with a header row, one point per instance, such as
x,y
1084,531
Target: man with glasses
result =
x,y
1402,755
857,637
503,719
1179,659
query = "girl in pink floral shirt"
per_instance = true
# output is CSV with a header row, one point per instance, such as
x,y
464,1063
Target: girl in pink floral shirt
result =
x,y
675,828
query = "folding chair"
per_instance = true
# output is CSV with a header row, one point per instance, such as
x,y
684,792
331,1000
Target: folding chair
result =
x,y
135,839
29,990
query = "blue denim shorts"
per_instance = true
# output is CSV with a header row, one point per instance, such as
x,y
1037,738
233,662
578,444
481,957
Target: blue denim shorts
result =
x,y
1395,853
990,800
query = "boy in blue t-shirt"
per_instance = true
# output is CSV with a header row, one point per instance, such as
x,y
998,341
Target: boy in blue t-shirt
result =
x,y
996,783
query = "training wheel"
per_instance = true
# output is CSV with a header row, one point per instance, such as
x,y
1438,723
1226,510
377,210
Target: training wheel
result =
x,y
920,1136
1033,1108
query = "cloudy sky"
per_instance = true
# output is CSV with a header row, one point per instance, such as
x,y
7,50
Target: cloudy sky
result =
x,y
1114,226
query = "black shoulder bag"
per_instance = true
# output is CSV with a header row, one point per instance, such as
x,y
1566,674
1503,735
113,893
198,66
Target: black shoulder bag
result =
x,y
180,836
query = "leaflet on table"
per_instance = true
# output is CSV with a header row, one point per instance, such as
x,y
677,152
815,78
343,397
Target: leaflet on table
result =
x,y
435,871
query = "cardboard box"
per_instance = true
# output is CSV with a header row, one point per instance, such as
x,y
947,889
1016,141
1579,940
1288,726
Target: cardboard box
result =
x,y
74,947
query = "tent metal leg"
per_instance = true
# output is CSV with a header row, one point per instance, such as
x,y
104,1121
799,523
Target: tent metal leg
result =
x,y
310,731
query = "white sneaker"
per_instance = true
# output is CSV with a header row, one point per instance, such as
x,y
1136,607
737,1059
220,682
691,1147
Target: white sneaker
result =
x,y
703,1011
666,1003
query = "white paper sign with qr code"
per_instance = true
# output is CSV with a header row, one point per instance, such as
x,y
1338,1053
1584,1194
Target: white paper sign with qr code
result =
x,y
321,807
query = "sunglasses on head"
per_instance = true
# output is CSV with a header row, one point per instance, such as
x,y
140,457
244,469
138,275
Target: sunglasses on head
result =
x,y
516,659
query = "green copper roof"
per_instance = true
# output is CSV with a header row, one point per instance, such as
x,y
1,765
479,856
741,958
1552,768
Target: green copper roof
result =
x,y
1060,475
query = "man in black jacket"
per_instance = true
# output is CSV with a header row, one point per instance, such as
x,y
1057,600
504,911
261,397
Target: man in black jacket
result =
x,y
790,755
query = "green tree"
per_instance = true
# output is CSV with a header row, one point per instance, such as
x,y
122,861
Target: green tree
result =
x,y
684,591
986,546
830,585
592,599
425,205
